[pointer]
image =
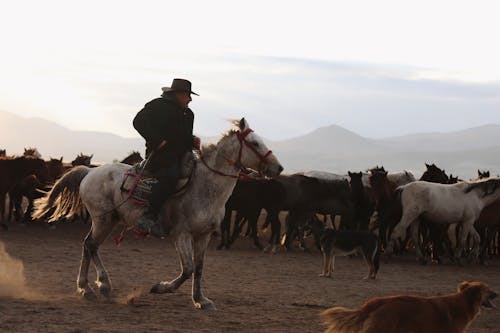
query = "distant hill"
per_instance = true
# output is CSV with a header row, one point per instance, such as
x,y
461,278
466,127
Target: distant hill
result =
x,y
330,148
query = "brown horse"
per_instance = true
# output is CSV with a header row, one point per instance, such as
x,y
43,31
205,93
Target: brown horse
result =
x,y
134,158
383,194
55,168
82,159
434,174
32,188
13,170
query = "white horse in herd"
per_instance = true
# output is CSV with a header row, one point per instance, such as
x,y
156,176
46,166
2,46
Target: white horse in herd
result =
x,y
191,217
447,204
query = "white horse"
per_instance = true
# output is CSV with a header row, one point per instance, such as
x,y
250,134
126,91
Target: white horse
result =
x,y
191,217
444,204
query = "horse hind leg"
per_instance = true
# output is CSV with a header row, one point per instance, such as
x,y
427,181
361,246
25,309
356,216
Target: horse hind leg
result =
x,y
82,283
98,233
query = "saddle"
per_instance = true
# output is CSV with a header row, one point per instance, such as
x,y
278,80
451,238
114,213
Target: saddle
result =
x,y
138,181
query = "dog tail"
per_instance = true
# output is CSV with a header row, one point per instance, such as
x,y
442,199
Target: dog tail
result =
x,y
342,320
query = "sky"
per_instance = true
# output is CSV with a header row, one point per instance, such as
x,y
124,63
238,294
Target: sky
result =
x,y
377,68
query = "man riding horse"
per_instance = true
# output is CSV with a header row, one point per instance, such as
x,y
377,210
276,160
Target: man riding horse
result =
x,y
166,123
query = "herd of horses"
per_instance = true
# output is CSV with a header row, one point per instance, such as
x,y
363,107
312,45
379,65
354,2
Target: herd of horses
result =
x,y
437,215
369,200
29,176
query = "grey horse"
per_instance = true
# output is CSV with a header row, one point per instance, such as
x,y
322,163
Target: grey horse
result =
x,y
191,217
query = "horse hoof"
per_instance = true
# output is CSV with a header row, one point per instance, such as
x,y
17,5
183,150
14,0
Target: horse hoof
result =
x,y
87,294
206,306
161,288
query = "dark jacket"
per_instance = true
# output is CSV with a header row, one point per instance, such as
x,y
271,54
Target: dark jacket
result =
x,y
163,119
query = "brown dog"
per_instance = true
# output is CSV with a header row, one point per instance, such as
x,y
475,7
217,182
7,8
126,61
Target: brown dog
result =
x,y
397,314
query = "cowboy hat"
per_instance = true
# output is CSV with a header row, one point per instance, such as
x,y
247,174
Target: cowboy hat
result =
x,y
179,85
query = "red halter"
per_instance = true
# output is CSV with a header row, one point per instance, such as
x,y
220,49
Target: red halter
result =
x,y
238,165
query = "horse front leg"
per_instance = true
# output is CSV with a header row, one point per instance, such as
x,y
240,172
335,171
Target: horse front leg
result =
x,y
467,228
199,300
184,247
82,282
274,240
415,236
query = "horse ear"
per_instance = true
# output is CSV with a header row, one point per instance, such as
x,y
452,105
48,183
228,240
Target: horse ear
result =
x,y
349,173
427,165
243,125
478,172
61,159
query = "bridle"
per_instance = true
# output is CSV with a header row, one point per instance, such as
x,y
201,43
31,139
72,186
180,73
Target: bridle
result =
x,y
238,164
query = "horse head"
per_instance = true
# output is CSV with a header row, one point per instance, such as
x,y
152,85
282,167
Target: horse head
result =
x,y
376,169
483,174
33,165
355,179
253,152
55,168
378,179
33,152
133,158
82,159
453,180
434,174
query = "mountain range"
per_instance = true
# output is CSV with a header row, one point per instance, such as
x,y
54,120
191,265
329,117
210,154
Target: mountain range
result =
x,y
331,148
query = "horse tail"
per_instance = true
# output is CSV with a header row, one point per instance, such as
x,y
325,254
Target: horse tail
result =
x,y
343,320
63,200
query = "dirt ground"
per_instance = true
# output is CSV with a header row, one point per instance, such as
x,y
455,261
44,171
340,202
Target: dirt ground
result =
x,y
253,291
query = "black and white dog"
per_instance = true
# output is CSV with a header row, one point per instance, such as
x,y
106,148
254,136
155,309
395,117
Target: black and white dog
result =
x,y
343,243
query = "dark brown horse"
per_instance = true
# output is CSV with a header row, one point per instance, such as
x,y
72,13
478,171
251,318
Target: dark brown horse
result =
x,y
134,158
29,187
362,201
32,188
488,226
55,168
82,159
388,211
13,170
434,174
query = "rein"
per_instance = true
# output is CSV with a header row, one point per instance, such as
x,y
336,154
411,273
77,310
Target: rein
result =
x,y
238,165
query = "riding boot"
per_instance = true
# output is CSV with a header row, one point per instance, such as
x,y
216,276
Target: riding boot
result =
x,y
150,224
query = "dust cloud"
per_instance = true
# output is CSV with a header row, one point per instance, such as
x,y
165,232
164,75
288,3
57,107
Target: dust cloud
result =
x,y
12,279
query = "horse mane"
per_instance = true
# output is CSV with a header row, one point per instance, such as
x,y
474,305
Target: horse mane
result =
x,y
487,186
208,149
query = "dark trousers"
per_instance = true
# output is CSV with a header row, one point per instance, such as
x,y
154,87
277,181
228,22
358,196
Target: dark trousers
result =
x,y
167,171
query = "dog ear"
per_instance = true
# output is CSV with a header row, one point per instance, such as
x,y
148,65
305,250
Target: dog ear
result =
x,y
462,286
473,293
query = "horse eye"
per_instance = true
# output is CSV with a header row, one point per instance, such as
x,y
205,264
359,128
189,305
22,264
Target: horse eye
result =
x,y
255,144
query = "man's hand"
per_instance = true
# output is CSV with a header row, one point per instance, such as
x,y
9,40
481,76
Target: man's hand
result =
x,y
196,143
